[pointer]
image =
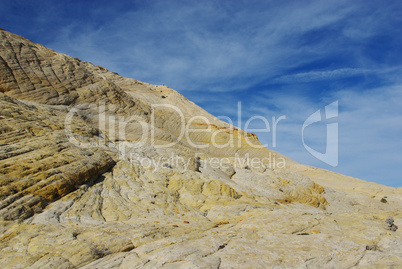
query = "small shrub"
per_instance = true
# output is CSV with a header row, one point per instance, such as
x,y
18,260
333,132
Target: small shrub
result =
x,y
75,234
197,164
99,253
391,225
383,200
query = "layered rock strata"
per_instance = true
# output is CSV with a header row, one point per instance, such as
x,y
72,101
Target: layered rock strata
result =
x,y
101,171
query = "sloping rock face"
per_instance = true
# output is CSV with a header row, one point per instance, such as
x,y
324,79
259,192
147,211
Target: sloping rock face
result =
x,y
101,171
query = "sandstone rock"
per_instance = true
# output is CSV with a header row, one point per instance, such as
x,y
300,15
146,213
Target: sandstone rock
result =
x,y
84,184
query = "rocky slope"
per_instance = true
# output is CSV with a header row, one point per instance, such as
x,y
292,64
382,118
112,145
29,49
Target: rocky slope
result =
x,y
101,171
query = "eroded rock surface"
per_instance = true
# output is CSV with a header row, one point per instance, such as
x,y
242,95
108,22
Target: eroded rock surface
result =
x,y
85,183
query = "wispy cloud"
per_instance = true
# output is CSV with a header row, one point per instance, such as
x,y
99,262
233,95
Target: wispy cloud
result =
x,y
322,75
205,44
220,46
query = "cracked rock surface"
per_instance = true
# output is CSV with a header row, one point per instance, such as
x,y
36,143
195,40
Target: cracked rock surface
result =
x,y
95,172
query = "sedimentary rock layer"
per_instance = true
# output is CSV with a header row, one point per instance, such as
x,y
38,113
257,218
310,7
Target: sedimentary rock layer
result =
x,y
96,172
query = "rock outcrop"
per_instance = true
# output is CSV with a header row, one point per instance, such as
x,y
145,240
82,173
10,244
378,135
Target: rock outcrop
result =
x,y
101,171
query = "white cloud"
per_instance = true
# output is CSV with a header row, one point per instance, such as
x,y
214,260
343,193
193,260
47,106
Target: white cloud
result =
x,y
322,75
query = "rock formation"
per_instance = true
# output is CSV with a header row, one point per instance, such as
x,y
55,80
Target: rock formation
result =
x,y
102,171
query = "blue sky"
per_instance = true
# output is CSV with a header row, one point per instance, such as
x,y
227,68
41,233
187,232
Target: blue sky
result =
x,y
287,58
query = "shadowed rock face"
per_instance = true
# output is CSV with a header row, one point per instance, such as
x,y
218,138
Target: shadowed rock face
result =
x,y
84,181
